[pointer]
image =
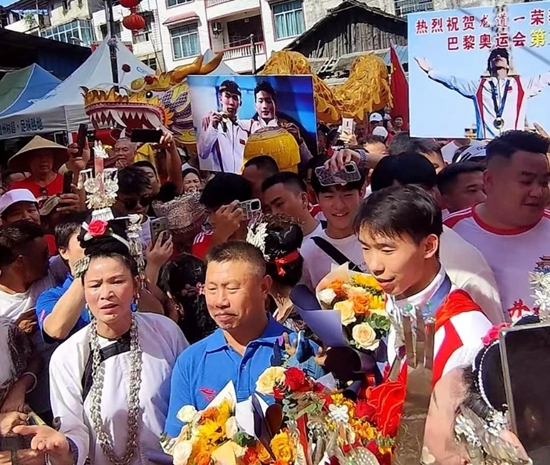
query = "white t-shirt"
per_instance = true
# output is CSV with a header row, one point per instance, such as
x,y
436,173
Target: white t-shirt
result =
x,y
12,306
510,254
317,264
315,232
469,271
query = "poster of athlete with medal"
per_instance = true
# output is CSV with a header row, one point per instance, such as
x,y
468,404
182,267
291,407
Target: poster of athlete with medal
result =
x,y
511,38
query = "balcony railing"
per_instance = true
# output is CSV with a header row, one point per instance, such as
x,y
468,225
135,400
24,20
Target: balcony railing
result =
x,y
210,3
243,51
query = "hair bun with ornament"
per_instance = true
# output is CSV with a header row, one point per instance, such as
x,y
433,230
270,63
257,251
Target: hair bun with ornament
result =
x,y
279,237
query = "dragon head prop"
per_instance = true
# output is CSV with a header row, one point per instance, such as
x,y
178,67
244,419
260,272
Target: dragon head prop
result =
x,y
151,102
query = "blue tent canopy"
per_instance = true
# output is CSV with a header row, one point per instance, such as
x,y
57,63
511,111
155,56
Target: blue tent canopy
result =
x,y
20,88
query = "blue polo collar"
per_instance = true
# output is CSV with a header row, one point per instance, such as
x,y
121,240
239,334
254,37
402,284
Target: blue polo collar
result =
x,y
216,341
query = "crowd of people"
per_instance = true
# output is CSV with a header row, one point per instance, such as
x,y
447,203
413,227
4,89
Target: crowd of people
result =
x,y
106,354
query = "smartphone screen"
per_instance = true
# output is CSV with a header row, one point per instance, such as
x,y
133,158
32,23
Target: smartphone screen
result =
x,y
525,353
150,136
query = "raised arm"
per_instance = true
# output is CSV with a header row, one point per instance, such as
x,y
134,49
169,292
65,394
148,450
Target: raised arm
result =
x,y
464,87
537,84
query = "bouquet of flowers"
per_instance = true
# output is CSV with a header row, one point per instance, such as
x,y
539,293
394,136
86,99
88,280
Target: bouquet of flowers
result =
x,y
352,311
321,426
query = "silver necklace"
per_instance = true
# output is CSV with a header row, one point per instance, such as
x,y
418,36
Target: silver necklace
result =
x,y
103,436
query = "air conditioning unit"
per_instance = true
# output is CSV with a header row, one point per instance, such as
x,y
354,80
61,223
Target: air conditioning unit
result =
x,y
217,27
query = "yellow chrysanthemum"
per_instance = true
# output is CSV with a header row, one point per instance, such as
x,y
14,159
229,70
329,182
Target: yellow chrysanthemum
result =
x,y
225,410
377,305
211,431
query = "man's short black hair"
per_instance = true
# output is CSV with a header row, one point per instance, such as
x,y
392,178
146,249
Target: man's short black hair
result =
x,y
408,168
132,180
69,226
225,188
403,143
287,179
145,164
318,188
264,163
505,145
447,177
14,239
373,139
266,87
398,211
238,251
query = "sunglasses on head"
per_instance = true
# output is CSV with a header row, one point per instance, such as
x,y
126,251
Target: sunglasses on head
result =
x,y
131,204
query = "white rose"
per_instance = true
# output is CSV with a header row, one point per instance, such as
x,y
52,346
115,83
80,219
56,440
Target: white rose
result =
x,y
326,297
187,414
267,380
365,337
347,314
182,452
231,427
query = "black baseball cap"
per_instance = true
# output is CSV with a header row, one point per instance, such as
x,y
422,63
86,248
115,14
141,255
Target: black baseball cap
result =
x,y
231,87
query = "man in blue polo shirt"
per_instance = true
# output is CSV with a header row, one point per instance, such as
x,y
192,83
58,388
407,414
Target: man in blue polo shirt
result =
x,y
240,350
61,310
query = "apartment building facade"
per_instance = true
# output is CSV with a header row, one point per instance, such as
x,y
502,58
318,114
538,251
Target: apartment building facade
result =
x,y
145,44
240,28
83,22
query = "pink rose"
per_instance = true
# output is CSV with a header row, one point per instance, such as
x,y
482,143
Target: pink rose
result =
x,y
492,334
97,228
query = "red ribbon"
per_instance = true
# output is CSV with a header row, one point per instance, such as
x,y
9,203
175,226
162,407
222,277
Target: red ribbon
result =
x,y
285,260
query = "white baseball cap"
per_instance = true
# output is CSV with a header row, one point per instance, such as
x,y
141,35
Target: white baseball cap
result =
x,y
380,131
375,118
15,196
472,152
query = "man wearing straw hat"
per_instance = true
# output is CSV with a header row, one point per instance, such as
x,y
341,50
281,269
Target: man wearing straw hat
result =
x,y
43,158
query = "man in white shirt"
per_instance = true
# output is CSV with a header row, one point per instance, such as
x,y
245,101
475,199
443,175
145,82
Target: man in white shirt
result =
x,y
287,193
464,264
24,265
500,97
337,244
221,143
399,229
511,228
265,103
460,186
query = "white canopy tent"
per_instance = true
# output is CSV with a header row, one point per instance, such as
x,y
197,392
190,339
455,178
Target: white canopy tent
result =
x,y
62,109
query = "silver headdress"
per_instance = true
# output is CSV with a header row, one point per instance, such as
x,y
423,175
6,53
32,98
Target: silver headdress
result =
x,y
101,186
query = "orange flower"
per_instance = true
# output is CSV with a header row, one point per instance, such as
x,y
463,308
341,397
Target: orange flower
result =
x,y
202,458
337,287
251,456
361,304
263,454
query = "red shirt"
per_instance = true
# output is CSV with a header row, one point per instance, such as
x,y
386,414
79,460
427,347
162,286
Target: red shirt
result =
x,y
41,193
201,244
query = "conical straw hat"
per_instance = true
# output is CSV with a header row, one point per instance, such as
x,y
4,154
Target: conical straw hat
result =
x,y
19,161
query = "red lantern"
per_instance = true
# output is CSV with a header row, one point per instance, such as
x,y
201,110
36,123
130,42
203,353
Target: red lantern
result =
x,y
129,3
133,22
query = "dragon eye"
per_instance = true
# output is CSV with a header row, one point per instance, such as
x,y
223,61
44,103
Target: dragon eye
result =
x,y
149,94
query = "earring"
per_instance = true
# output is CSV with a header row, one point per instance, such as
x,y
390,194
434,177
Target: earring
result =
x,y
135,302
